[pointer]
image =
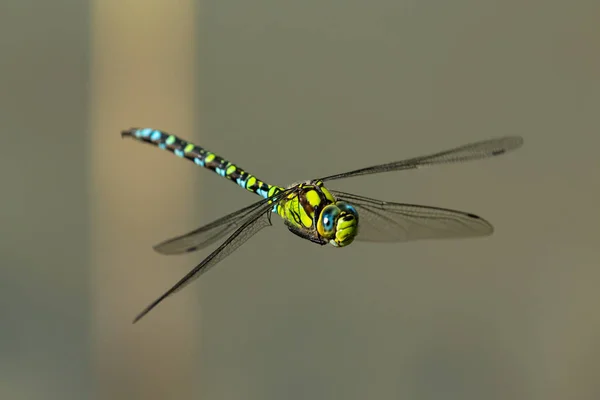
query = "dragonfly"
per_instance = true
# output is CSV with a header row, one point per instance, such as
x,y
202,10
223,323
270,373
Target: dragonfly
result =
x,y
315,213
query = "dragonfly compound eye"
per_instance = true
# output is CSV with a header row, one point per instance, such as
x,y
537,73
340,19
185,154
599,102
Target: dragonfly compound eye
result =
x,y
347,208
327,221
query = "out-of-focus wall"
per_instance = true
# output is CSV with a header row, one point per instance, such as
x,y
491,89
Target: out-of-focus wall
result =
x,y
44,210
324,87
81,207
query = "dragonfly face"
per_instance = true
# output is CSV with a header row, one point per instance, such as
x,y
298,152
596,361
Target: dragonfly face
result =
x,y
338,223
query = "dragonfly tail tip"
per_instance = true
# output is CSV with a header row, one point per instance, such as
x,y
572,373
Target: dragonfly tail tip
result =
x,y
128,132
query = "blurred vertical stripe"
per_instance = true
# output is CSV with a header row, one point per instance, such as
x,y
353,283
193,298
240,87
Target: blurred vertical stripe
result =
x,y
143,73
44,308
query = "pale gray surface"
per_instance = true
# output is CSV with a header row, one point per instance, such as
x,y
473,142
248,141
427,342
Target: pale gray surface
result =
x,y
312,88
294,91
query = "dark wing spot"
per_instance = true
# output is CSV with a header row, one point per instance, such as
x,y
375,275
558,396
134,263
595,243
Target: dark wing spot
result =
x,y
473,216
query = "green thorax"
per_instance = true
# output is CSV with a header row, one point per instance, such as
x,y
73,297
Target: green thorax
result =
x,y
301,209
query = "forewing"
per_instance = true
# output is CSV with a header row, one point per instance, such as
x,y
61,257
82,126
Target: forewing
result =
x,y
469,152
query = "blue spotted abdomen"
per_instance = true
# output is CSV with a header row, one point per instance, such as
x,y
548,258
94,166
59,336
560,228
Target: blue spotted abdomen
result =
x,y
203,158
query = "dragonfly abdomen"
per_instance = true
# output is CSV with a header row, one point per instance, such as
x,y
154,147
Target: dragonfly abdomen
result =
x,y
204,158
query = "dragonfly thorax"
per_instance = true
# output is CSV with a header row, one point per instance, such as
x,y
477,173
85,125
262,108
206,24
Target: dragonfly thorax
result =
x,y
311,212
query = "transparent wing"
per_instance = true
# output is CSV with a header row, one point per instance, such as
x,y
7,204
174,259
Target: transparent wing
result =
x,y
473,151
208,234
260,218
382,221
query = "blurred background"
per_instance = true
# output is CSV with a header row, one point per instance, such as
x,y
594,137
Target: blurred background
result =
x,y
290,92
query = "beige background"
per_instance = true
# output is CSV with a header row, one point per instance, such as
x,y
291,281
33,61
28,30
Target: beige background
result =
x,y
290,92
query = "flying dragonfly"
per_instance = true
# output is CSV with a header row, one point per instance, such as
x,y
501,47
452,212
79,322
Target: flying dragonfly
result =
x,y
313,212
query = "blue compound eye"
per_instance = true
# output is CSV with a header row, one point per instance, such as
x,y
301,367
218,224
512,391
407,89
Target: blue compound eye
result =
x,y
347,208
327,220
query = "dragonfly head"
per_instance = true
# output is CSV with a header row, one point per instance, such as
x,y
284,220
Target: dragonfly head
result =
x,y
338,223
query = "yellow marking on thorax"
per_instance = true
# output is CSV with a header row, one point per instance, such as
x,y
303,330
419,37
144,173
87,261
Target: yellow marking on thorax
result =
x,y
291,210
328,195
313,198
304,217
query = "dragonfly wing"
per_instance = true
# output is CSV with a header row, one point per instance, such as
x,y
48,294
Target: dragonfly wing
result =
x,y
382,221
259,219
208,234
469,152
